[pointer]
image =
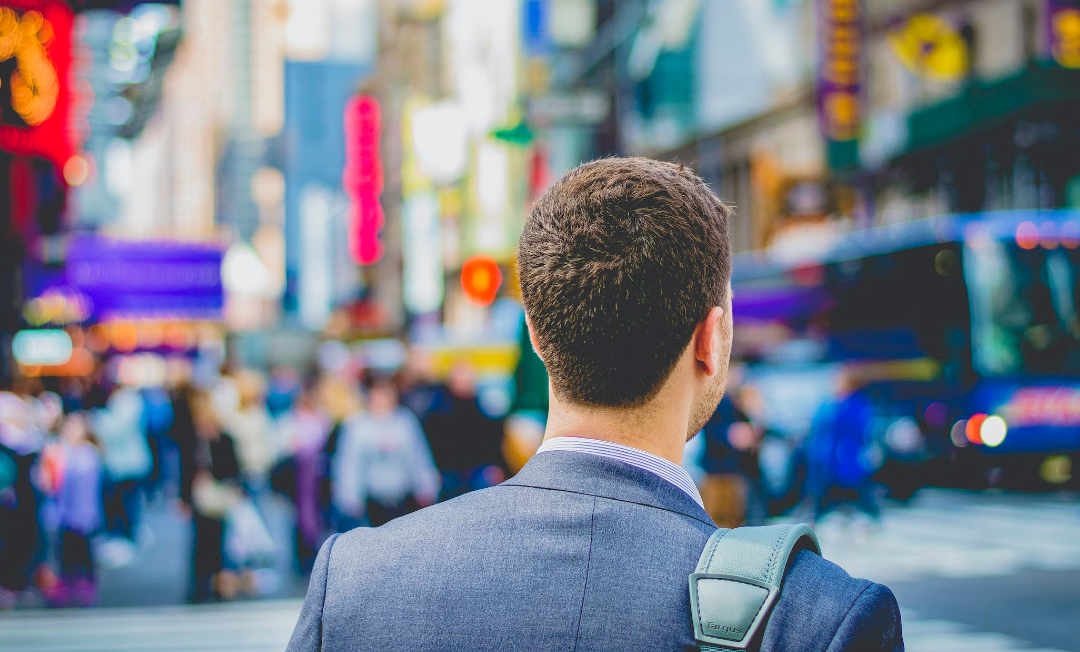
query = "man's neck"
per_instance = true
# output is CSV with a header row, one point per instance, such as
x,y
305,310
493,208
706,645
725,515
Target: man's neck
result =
x,y
654,428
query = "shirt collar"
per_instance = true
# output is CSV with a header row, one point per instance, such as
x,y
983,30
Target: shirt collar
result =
x,y
635,457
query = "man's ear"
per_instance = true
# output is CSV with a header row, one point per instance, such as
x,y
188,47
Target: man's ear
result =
x,y
707,342
532,337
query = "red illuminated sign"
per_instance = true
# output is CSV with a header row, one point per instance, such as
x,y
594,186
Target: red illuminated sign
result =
x,y
35,58
363,178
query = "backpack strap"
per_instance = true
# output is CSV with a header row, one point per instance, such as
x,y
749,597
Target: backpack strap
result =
x,y
738,580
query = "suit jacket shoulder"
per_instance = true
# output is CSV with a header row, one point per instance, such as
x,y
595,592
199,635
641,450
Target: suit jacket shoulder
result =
x,y
576,553
821,607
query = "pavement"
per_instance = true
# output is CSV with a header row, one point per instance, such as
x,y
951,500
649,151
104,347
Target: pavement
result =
x,y
255,626
159,574
978,572
985,572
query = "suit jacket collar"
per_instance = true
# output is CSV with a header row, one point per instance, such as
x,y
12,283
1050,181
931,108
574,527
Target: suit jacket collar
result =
x,y
594,475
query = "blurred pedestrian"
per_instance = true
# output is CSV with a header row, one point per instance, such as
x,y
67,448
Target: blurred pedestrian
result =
x,y
282,390
79,512
21,442
466,442
212,489
383,466
73,391
128,462
340,400
840,452
729,462
419,390
182,434
98,389
157,420
252,429
305,429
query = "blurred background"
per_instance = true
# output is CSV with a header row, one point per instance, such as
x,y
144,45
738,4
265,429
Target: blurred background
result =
x,y
248,247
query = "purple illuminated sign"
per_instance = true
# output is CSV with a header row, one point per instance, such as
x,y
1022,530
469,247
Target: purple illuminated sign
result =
x,y
146,280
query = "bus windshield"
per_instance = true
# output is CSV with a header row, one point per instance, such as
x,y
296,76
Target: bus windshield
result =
x,y
1023,308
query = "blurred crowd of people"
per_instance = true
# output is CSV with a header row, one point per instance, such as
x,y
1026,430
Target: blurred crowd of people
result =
x,y
81,458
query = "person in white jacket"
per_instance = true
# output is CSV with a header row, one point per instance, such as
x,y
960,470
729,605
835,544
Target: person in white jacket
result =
x,y
383,466
246,419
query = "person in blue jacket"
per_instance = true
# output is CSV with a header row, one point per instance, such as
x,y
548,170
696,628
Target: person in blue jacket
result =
x,y
841,454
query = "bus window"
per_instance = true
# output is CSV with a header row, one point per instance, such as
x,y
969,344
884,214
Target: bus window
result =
x,y
1024,317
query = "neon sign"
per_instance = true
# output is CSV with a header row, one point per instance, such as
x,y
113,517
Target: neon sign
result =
x,y
1043,406
35,45
839,77
1063,17
362,178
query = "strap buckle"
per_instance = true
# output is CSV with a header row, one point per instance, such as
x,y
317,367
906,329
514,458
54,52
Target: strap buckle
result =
x,y
735,608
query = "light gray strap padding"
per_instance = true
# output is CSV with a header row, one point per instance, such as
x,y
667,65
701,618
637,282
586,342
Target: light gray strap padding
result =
x,y
756,553
738,580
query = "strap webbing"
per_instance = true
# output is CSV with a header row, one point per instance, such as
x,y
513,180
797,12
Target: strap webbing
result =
x,y
757,554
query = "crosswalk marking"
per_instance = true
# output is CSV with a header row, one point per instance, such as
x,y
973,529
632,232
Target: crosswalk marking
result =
x,y
236,627
264,626
947,636
961,540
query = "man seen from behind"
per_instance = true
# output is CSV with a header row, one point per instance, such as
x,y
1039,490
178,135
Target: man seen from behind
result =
x,y
625,268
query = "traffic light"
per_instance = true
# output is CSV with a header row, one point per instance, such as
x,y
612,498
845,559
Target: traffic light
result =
x,y
480,279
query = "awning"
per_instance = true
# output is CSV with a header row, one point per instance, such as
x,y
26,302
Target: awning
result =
x,y
1040,88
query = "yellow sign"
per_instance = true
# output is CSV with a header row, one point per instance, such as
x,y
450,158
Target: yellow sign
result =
x,y
929,47
1065,25
840,77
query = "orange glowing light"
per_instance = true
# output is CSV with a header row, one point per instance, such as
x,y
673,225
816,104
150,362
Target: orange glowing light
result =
x,y
81,363
974,428
35,86
97,338
1070,235
1048,235
35,44
179,336
76,170
1027,235
78,337
480,279
151,335
125,337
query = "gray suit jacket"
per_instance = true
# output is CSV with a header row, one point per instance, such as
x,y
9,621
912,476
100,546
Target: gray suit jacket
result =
x,y
576,552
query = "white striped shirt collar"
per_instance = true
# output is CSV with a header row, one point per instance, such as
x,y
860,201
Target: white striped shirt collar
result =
x,y
635,457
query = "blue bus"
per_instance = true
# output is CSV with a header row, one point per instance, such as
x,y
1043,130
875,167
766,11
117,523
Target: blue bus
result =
x,y
963,329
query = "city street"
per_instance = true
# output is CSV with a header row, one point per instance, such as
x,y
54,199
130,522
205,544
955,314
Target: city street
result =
x,y
271,267
977,572
974,571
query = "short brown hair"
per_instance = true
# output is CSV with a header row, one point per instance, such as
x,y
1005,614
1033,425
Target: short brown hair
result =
x,y
619,261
